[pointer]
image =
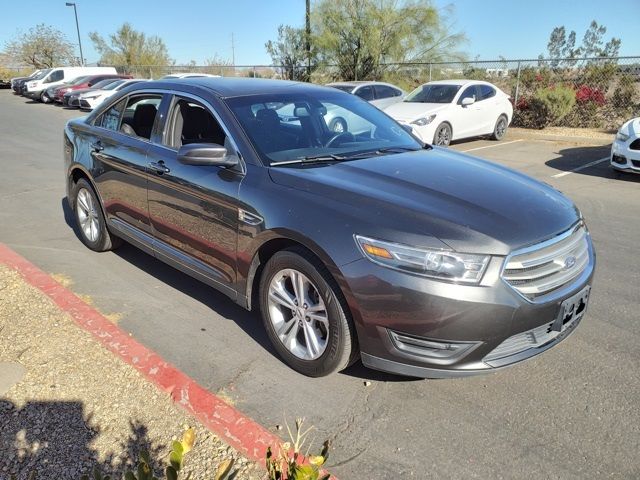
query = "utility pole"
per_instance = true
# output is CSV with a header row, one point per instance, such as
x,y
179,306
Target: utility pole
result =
x,y
308,39
233,51
72,4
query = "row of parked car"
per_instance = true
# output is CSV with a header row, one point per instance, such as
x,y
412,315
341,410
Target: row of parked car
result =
x,y
81,87
436,112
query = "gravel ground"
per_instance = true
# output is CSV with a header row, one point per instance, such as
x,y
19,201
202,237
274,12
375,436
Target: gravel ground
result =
x,y
78,405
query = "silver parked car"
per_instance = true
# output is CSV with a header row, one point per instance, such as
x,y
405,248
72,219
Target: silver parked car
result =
x,y
379,94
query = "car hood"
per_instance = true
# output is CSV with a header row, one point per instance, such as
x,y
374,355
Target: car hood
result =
x,y
410,111
82,90
470,204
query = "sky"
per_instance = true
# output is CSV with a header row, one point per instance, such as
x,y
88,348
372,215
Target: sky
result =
x,y
199,29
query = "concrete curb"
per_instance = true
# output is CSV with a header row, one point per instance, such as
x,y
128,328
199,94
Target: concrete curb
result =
x,y
233,427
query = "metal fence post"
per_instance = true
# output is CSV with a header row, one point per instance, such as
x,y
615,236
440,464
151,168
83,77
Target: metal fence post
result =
x,y
429,72
515,101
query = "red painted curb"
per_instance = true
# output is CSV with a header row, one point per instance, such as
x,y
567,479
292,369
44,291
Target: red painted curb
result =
x,y
236,429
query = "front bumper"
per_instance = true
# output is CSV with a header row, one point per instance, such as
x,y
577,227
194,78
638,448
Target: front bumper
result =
x,y
391,307
624,157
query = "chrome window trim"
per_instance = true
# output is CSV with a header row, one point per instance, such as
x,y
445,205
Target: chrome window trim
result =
x,y
565,289
173,93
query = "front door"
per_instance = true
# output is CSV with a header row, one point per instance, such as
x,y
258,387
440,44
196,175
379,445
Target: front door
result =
x,y
119,147
194,209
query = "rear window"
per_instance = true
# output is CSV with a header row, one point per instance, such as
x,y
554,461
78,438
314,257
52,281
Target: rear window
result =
x,y
384,91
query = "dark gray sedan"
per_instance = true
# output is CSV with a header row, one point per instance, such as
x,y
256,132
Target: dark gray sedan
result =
x,y
355,244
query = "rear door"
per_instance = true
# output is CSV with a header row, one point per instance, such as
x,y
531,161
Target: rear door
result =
x,y
194,209
385,96
119,151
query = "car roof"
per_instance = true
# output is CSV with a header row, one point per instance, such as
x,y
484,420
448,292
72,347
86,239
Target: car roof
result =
x,y
226,87
357,83
460,81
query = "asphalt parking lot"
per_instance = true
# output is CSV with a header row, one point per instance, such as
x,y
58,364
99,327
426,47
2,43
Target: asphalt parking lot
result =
x,y
573,412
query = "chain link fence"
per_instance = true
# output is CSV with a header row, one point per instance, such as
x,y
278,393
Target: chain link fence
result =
x,y
587,92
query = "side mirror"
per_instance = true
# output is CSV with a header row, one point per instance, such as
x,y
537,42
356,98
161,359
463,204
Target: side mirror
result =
x,y
206,154
468,101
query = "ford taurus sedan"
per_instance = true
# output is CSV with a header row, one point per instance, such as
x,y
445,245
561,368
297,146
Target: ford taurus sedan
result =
x,y
419,260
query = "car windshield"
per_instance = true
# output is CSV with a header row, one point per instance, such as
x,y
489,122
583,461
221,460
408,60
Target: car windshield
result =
x,y
113,85
78,80
433,93
42,74
344,88
104,83
297,127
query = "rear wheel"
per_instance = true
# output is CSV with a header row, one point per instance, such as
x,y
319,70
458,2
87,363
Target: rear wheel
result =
x,y
304,315
442,137
500,129
90,220
44,98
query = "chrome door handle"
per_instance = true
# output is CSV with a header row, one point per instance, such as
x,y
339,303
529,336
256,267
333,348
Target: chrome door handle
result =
x,y
159,167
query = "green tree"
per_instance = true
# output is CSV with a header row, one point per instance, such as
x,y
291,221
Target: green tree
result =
x,y
562,50
41,47
289,52
130,48
361,36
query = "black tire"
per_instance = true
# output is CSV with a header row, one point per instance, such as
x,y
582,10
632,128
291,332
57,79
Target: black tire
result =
x,y
341,342
43,98
442,135
338,125
104,240
500,128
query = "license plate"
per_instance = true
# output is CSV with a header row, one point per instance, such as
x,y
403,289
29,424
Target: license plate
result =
x,y
571,309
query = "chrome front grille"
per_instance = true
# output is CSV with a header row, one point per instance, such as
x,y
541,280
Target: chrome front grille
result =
x,y
538,270
523,341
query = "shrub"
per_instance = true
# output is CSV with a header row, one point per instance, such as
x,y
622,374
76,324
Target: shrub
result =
x,y
547,106
586,94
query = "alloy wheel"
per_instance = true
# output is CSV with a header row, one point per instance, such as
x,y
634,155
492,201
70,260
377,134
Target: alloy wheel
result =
x,y
443,136
87,215
298,314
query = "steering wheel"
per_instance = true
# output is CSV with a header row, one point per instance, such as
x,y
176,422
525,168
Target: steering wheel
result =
x,y
340,135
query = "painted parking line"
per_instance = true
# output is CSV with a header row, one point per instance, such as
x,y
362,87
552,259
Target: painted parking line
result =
x,y
229,424
492,146
581,167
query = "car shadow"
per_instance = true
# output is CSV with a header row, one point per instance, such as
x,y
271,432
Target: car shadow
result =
x,y
575,157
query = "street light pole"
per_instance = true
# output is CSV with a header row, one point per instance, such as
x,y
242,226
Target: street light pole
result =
x,y
75,11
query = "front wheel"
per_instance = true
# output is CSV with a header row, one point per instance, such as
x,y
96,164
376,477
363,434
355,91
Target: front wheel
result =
x,y
304,315
442,137
500,129
90,220
44,98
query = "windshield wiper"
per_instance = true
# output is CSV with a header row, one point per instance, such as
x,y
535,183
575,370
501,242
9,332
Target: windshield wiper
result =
x,y
311,159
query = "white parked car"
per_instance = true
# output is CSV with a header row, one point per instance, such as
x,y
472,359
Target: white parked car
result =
x,y
625,150
380,94
447,110
91,99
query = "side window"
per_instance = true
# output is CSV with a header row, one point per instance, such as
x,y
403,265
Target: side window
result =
x,y
111,118
486,92
191,122
383,91
140,115
365,93
469,92
55,76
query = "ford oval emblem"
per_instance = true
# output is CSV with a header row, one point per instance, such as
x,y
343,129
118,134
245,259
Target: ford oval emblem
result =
x,y
569,262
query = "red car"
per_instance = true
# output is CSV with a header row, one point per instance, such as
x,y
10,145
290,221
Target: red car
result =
x,y
82,82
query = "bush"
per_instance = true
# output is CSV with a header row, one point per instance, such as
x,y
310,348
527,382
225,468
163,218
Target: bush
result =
x,y
547,106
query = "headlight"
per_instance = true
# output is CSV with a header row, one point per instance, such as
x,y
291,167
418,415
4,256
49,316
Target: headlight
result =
x,y
623,137
89,97
439,264
421,122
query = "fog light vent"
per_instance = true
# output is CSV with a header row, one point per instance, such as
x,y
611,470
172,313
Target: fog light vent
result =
x,y
433,349
619,159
